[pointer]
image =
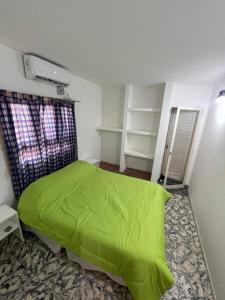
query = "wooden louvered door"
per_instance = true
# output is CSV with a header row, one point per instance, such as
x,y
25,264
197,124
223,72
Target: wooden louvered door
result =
x,y
179,142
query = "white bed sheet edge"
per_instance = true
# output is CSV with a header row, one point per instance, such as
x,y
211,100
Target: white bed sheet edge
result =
x,y
55,247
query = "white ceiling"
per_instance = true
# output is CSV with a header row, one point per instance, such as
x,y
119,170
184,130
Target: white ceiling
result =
x,y
122,41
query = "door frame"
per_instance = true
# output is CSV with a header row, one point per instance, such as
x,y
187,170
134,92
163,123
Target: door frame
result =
x,y
190,150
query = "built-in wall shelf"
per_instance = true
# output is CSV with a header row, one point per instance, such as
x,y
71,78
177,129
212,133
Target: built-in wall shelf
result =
x,y
144,109
133,112
136,153
142,132
109,128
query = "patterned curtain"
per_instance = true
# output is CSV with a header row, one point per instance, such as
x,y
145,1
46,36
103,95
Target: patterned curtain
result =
x,y
39,134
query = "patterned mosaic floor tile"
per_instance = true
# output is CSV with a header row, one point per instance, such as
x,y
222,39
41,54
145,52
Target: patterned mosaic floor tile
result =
x,y
30,271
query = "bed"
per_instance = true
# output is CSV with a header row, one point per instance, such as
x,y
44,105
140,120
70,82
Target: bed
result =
x,y
109,220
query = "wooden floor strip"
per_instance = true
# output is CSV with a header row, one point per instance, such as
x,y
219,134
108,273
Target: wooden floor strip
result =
x,y
129,172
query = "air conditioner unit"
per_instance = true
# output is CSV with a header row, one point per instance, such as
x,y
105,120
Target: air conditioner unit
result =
x,y
40,69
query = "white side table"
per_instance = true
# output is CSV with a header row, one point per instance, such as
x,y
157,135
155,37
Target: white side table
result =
x,y
93,161
9,222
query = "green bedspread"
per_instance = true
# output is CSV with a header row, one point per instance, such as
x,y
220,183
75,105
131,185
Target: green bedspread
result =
x,y
110,220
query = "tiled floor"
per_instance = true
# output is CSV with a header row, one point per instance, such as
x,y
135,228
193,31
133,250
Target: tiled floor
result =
x,y
31,271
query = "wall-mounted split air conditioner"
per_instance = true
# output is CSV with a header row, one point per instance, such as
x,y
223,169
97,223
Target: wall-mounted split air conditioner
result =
x,y
40,69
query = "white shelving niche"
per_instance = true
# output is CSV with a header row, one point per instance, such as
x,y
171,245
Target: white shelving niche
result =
x,y
130,118
143,105
112,123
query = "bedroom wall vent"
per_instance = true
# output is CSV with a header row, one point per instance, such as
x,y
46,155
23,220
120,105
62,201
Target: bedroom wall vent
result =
x,y
40,69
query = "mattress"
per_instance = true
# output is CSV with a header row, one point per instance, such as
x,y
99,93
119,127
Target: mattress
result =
x,y
112,221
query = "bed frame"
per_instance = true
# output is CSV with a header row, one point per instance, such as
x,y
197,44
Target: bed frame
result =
x,y
55,247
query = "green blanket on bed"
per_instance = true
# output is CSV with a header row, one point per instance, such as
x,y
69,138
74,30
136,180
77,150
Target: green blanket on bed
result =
x,y
110,220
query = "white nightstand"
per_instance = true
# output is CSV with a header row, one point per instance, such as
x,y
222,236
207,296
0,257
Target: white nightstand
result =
x,y
9,222
93,161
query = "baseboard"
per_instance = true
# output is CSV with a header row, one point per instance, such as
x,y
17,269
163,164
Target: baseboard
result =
x,y
203,251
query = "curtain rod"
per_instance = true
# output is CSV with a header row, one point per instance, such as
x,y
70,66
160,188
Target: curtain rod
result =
x,y
31,94
70,99
66,98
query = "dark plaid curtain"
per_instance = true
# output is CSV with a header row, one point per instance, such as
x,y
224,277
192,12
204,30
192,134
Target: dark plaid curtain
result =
x,y
39,134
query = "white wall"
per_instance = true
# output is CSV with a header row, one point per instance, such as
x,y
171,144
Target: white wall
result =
x,y
112,115
186,95
88,112
207,192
